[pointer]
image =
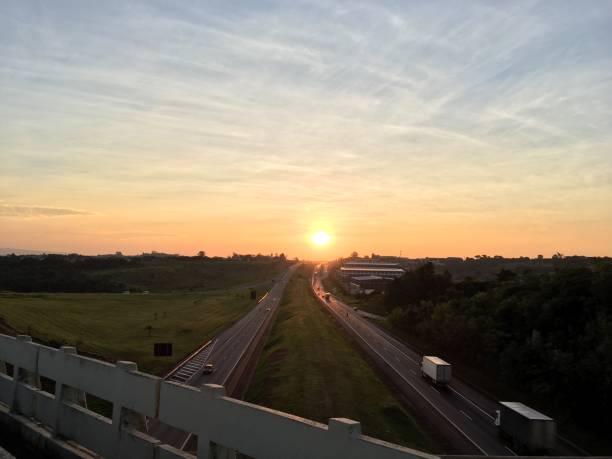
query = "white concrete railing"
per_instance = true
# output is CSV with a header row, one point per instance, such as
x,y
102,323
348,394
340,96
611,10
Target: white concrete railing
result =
x,y
216,419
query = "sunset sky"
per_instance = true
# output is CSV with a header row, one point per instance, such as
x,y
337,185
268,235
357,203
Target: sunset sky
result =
x,y
431,128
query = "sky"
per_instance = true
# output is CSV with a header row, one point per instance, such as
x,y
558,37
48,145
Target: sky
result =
x,y
422,128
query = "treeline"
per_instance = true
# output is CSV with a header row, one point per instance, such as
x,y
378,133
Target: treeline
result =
x,y
116,273
548,335
58,273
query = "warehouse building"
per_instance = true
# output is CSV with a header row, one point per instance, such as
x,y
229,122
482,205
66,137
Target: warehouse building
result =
x,y
366,276
381,271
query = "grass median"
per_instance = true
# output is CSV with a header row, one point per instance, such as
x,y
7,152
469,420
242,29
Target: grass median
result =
x,y
309,367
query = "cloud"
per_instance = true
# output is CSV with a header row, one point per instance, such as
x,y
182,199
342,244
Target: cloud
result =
x,y
119,235
162,108
7,210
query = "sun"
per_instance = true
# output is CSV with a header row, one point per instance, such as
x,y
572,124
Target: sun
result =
x,y
320,238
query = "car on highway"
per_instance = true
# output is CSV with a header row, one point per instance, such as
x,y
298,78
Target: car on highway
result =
x,y
209,368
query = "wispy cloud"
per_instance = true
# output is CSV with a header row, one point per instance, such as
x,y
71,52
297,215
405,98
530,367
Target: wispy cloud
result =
x,y
188,109
7,210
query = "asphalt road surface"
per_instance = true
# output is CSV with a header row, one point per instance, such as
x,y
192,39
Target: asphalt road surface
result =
x,y
462,415
224,352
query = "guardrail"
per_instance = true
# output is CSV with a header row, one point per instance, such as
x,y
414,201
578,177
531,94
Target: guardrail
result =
x,y
223,425
190,366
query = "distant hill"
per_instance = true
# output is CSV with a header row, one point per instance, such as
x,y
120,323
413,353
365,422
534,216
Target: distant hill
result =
x,y
9,251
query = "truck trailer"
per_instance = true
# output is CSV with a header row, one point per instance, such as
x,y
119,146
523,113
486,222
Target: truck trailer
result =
x,y
436,370
528,430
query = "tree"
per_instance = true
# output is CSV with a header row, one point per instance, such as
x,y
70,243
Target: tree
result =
x,y
547,335
201,254
505,275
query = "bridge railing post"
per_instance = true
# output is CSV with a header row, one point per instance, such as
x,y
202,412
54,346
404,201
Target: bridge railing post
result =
x,y
342,432
65,393
124,418
24,375
206,448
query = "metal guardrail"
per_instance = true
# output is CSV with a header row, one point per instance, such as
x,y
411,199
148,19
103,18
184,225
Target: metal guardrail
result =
x,y
192,366
182,362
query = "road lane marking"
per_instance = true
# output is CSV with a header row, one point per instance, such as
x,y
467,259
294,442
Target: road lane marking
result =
x,y
413,372
433,388
471,402
433,405
390,340
466,415
512,452
186,441
223,356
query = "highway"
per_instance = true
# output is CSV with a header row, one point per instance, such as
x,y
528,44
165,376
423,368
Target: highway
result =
x,y
225,352
463,416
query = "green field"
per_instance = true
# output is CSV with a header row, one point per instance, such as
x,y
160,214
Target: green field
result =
x,y
310,368
115,326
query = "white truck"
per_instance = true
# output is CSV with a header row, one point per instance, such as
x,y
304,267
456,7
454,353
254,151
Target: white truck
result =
x,y
528,430
436,370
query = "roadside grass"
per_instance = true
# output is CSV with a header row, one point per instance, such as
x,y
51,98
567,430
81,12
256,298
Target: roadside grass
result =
x,y
310,368
372,304
115,326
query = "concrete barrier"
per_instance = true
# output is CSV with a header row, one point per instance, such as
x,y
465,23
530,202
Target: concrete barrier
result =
x,y
223,425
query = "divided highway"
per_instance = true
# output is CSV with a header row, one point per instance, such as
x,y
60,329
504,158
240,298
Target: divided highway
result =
x,y
463,416
225,352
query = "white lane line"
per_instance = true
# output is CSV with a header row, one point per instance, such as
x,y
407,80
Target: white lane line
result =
x,y
472,403
466,415
433,388
239,358
511,452
186,441
413,372
433,405
390,340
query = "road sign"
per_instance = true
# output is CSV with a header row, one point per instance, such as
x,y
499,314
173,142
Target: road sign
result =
x,y
162,349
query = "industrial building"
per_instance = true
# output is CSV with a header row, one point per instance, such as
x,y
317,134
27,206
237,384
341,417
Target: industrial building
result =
x,y
366,276
372,270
